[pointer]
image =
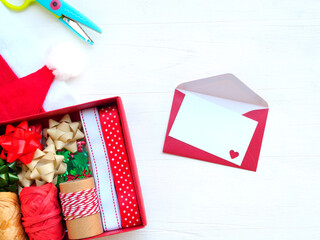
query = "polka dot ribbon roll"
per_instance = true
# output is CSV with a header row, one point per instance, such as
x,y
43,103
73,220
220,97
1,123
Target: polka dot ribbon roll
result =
x,y
113,137
79,204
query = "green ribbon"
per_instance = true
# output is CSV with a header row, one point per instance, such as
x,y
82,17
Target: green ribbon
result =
x,y
8,176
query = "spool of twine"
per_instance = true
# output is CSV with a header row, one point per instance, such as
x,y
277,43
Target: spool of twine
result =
x,y
41,212
81,208
10,217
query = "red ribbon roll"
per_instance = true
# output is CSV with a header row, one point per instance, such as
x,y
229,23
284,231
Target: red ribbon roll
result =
x,y
41,212
20,142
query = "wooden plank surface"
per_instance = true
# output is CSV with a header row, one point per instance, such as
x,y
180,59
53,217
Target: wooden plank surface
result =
x,y
148,47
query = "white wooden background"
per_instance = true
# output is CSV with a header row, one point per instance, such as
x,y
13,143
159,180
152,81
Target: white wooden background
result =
x,y
147,48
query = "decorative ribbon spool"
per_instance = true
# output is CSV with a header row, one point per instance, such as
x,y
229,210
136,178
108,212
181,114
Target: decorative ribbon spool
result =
x,y
10,217
63,134
78,198
44,168
41,212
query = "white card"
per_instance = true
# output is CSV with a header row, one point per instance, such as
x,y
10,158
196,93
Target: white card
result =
x,y
213,128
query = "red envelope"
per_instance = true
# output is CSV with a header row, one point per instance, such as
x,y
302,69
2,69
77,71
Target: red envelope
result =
x,y
224,87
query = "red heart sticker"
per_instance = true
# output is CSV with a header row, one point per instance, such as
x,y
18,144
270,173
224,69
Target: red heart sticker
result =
x,y
233,154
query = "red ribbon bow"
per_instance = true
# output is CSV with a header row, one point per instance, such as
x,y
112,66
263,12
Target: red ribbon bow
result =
x,y
20,142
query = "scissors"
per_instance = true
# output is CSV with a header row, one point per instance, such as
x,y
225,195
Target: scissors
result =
x,y
68,15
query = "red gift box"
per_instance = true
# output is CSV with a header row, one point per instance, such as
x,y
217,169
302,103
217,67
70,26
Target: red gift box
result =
x,y
74,113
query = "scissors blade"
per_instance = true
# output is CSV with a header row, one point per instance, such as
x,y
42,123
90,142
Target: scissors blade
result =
x,y
62,9
72,13
76,28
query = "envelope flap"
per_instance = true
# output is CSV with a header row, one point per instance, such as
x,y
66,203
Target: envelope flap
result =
x,y
225,86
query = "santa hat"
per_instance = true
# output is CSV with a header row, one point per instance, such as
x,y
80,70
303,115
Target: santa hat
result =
x,y
20,97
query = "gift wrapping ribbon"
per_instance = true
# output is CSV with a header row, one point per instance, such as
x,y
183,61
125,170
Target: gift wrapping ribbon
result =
x,y
64,134
8,176
20,142
113,137
44,168
102,173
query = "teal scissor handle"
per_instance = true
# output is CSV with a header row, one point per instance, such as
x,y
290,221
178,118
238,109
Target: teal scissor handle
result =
x,y
17,8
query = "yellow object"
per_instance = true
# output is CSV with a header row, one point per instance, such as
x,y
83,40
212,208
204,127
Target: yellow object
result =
x,y
63,134
44,168
18,8
10,217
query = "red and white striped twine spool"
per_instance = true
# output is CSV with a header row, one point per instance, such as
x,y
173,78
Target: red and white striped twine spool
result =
x,y
79,204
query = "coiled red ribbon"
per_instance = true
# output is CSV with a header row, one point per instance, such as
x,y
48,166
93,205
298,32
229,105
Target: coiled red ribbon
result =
x,y
41,213
79,204
20,142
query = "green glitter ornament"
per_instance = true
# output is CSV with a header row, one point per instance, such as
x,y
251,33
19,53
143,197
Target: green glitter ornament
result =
x,y
77,165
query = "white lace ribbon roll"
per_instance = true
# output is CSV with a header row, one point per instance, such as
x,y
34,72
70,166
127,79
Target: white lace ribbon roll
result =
x,y
101,169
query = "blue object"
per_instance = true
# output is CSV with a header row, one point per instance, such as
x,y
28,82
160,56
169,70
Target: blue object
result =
x,y
68,15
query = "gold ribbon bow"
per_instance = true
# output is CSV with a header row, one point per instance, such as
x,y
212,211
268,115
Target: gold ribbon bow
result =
x,y
63,134
44,168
